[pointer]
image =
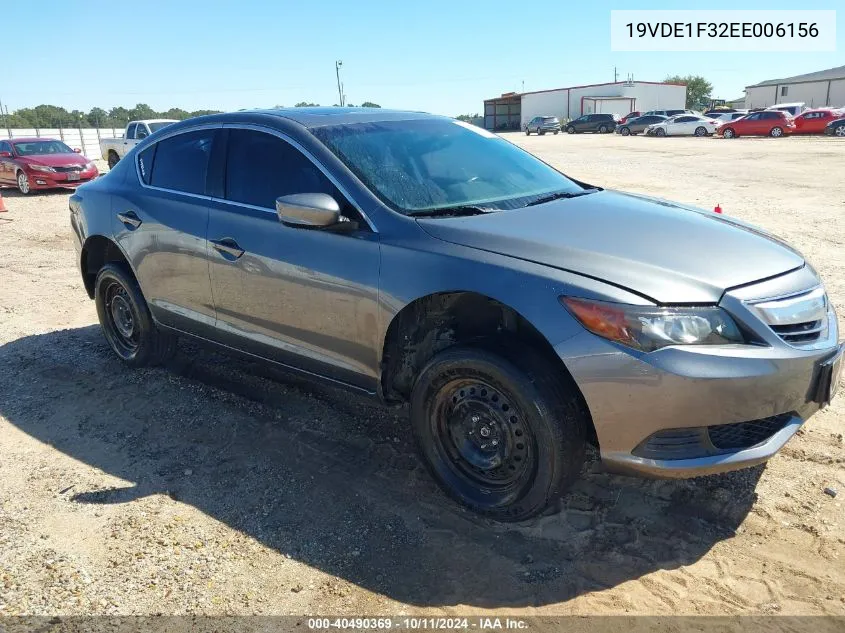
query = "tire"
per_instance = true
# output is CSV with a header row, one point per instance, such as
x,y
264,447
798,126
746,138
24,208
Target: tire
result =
x,y
776,132
728,133
660,132
556,132
625,131
23,183
700,131
540,132
114,159
126,321
570,130
527,132
839,131
520,439
603,129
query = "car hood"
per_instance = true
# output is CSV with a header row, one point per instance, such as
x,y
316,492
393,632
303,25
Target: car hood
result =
x,y
55,160
667,252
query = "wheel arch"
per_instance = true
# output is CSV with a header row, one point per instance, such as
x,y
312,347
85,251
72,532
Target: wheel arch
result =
x,y
96,252
435,322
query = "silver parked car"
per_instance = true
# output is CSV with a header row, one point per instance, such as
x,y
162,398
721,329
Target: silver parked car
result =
x,y
423,261
542,124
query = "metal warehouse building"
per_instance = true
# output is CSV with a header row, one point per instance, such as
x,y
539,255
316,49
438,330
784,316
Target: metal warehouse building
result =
x,y
513,110
822,88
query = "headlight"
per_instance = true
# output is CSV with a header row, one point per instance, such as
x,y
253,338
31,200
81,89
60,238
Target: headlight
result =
x,y
90,165
648,328
46,168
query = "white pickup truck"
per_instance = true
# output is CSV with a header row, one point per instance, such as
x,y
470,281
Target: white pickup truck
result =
x,y
113,149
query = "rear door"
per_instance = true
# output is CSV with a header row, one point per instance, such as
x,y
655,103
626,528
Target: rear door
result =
x,y
770,120
303,297
160,222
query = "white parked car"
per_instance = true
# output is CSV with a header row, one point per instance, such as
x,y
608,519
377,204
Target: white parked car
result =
x,y
792,109
727,117
113,149
683,125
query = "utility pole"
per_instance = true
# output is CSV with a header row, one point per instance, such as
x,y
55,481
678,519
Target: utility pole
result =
x,y
615,75
337,66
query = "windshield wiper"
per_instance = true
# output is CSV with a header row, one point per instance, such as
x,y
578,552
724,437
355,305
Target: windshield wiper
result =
x,y
445,212
560,195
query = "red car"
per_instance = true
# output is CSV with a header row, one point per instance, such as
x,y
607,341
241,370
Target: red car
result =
x,y
815,121
42,163
629,116
765,123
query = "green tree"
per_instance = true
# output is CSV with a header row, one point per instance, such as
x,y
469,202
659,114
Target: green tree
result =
x,y
370,104
698,89
305,104
468,118
142,111
97,117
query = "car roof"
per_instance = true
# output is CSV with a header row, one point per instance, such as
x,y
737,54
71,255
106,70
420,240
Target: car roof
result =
x,y
322,116
28,139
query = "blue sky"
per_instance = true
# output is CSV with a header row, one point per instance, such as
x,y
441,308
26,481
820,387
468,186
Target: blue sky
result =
x,y
443,57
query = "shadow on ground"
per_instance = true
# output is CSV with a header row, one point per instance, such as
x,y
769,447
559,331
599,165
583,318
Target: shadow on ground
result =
x,y
333,481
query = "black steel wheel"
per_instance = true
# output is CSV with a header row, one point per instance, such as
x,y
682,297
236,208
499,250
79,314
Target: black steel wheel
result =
x,y
126,321
504,440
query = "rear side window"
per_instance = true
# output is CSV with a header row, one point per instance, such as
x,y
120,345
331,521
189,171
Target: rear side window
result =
x,y
181,162
261,167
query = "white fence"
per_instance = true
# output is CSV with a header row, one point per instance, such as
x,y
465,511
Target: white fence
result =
x,y
86,139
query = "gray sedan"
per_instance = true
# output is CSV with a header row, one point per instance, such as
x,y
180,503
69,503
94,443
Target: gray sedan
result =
x,y
638,125
518,313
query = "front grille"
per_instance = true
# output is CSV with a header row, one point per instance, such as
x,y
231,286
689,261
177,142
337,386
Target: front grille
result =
x,y
64,170
746,434
800,320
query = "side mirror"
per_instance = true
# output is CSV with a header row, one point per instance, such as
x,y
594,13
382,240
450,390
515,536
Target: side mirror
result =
x,y
77,150
5,154
308,210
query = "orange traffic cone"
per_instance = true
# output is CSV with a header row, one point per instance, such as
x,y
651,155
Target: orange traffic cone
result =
x,y
2,204
718,208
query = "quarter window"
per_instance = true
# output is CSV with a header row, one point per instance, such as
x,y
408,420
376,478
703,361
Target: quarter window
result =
x,y
145,163
261,167
181,162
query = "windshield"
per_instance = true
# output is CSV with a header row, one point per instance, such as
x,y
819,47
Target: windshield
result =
x,y
155,127
426,164
35,148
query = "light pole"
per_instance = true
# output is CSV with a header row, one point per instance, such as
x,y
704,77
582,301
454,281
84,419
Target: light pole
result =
x,y
337,66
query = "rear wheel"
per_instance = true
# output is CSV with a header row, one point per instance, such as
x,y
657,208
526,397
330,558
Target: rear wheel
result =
x,y
126,320
700,131
728,133
113,159
23,183
602,129
502,439
776,132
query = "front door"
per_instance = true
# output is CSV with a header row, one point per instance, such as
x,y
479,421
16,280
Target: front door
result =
x,y
5,162
160,220
303,297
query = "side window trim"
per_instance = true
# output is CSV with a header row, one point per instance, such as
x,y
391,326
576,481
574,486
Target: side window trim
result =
x,y
207,126
308,155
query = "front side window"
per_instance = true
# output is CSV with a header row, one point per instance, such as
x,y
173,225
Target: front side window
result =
x,y
261,167
181,162
425,164
752,117
130,131
141,132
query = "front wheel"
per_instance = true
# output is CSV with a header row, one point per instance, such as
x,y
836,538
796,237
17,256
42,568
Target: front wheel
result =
x,y
840,131
729,133
660,132
23,183
625,131
570,130
776,132
505,440
556,131
126,320
113,159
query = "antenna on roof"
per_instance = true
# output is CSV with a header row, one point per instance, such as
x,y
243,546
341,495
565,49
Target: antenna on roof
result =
x,y
630,80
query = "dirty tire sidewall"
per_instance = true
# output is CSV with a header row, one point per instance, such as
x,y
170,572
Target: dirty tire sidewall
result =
x,y
153,346
550,412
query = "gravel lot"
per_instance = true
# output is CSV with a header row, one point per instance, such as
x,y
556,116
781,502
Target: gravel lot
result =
x,y
213,486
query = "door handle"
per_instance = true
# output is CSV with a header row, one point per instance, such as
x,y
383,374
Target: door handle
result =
x,y
130,219
228,246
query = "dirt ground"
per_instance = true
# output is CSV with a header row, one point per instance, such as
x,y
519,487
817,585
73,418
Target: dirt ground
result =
x,y
212,486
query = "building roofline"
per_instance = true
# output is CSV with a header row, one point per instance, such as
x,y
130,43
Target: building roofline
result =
x,y
799,79
606,83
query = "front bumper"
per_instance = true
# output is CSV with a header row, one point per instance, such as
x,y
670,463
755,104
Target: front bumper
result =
x,y
644,406
57,180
